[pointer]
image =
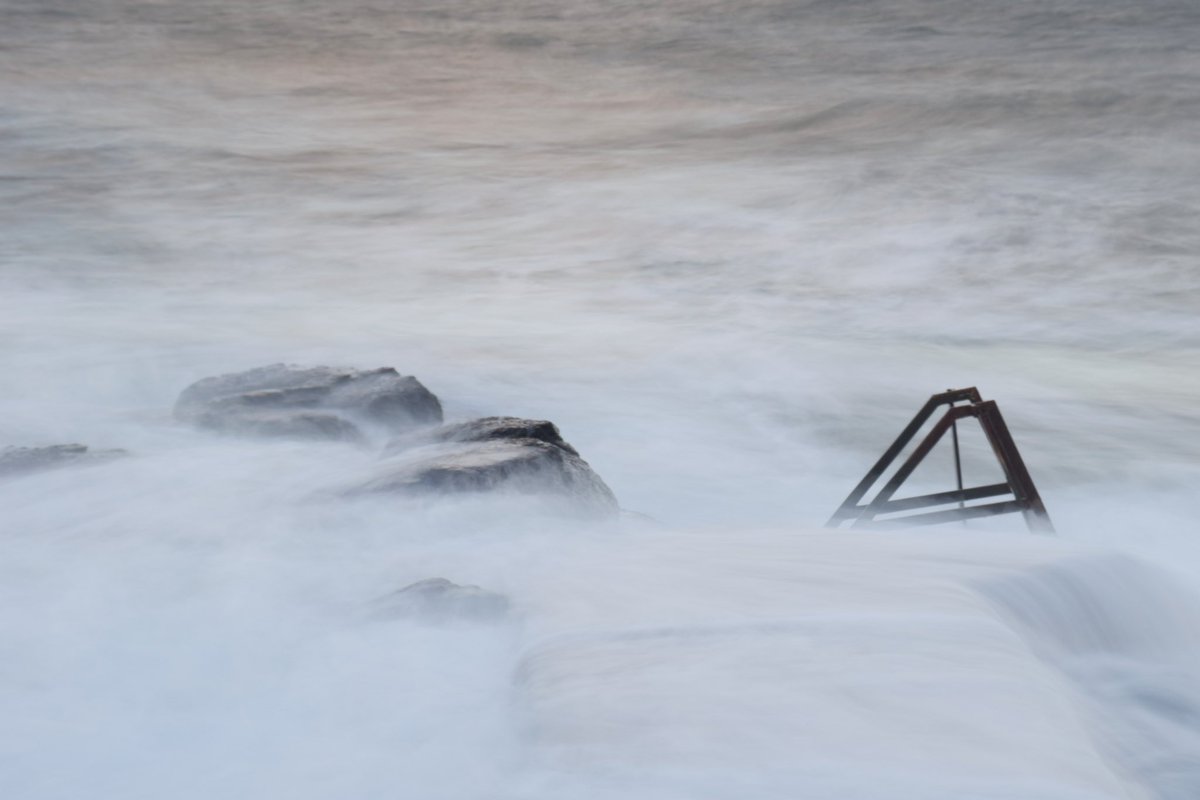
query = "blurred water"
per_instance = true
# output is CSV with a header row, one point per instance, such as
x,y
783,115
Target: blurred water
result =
x,y
729,247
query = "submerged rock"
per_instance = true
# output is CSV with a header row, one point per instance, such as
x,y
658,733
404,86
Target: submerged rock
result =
x,y
495,454
23,460
283,400
440,600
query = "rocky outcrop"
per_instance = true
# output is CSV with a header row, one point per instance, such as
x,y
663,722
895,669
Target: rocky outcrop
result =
x,y
23,460
494,454
440,600
283,400
527,457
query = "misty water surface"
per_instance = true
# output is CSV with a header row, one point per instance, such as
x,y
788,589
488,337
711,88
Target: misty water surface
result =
x,y
729,248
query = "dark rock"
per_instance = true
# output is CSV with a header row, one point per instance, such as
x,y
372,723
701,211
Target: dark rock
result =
x,y
483,430
440,600
22,460
522,466
308,403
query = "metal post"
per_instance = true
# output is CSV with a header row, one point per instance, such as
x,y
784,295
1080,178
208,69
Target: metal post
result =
x,y
957,462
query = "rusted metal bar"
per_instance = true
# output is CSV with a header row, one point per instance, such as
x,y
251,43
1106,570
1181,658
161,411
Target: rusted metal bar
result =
x,y
1034,511
955,514
1018,483
944,498
957,460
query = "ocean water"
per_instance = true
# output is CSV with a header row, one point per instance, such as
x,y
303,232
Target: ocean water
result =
x,y
729,248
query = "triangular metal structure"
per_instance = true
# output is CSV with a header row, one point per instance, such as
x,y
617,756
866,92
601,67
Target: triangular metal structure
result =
x,y
1024,495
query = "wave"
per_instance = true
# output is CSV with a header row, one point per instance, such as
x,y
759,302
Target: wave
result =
x,y
1128,635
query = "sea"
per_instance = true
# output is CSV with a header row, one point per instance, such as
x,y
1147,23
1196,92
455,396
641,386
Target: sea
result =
x,y
729,247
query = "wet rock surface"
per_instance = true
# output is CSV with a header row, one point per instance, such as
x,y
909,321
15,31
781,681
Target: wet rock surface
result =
x,y
440,600
24,460
483,430
513,464
288,401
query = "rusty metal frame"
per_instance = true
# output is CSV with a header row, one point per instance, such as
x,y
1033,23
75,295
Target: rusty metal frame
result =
x,y
1018,483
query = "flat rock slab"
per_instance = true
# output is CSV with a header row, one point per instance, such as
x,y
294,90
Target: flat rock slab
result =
x,y
440,600
23,460
523,466
283,400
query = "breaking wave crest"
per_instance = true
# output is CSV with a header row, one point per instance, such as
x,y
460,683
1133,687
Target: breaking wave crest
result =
x,y
1128,634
